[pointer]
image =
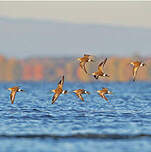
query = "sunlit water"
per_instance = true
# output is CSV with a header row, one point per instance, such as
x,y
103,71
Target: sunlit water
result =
x,y
33,124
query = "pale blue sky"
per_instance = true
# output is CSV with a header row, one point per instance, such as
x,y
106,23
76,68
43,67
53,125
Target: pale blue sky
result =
x,y
73,28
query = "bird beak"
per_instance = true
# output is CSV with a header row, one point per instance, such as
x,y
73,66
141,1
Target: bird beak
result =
x,y
98,91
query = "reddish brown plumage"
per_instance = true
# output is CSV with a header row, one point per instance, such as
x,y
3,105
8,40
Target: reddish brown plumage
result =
x,y
99,72
84,60
136,65
103,92
59,90
79,93
13,93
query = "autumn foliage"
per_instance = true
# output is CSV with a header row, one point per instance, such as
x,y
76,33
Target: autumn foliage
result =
x,y
49,69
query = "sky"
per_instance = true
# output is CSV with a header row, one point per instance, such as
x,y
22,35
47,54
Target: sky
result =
x,y
135,15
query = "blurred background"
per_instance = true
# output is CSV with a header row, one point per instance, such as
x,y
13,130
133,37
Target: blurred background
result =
x,y
39,41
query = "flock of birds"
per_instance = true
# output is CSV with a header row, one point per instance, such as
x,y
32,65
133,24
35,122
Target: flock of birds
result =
x,y
99,73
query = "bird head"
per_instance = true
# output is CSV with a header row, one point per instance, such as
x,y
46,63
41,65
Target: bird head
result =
x,y
86,92
64,92
142,64
106,75
109,92
20,90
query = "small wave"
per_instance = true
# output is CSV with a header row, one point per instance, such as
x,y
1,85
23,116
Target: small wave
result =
x,y
79,136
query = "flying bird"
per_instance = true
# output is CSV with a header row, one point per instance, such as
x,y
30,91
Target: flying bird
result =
x,y
84,60
99,72
103,92
13,92
59,90
79,93
136,65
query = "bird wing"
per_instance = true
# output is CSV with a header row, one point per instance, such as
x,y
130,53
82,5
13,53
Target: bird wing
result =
x,y
135,69
82,65
12,96
55,97
101,65
79,95
86,55
61,82
103,96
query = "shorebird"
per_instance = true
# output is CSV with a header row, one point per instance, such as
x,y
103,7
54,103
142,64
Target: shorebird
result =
x,y
84,60
103,92
99,72
13,92
79,92
59,90
136,65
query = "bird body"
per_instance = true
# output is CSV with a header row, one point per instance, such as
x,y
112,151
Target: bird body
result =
x,y
84,60
136,65
13,92
99,72
103,92
59,90
79,93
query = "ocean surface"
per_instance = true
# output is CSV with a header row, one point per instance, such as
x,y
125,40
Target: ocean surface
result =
x,y
33,124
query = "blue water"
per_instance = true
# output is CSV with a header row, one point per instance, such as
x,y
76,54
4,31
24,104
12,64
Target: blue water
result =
x,y
33,124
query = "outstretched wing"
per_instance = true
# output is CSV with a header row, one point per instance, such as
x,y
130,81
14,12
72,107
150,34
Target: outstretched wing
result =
x,y
12,96
82,65
104,97
79,95
55,97
61,82
102,64
135,69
